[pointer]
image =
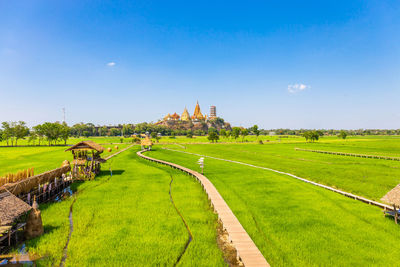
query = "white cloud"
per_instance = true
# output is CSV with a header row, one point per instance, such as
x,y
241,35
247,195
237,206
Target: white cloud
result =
x,y
111,64
298,87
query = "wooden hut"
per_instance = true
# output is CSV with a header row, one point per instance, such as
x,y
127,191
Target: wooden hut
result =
x,y
87,160
146,143
11,210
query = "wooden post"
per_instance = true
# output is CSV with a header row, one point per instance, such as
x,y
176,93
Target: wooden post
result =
x,y
395,213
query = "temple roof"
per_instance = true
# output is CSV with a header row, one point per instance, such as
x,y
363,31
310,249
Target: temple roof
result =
x,y
175,116
167,117
197,113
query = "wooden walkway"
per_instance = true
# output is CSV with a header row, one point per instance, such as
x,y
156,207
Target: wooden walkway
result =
x,y
348,154
247,251
347,194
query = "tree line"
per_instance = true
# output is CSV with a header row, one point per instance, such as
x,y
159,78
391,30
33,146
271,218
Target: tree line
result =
x,y
53,132
50,132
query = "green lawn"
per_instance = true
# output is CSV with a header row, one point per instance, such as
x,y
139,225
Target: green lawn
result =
x,y
294,223
129,220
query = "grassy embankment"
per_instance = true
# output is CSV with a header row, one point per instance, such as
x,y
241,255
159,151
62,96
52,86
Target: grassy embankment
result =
x,y
294,223
129,220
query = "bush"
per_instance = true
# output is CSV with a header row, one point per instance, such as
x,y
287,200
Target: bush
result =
x,y
260,142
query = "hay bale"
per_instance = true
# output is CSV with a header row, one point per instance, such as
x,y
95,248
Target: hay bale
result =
x,y
116,147
65,163
34,224
109,149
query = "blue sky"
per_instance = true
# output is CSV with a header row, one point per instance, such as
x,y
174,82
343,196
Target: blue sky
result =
x,y
290,64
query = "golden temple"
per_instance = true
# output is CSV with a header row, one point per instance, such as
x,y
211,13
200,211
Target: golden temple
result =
x,y
197,115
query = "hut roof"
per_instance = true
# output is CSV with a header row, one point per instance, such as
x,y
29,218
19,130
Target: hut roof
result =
x,y
146,142
86,145
393,196
11,208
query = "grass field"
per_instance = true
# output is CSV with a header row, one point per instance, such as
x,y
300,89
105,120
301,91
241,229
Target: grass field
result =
x,y
73,140
371,178
129,220
13,159
297,224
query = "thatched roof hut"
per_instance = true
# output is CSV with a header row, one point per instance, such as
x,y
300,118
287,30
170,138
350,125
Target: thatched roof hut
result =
x,y
146,142
11,208
86,145
393,196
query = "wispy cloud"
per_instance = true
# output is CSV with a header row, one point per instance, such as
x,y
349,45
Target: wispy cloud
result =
x,y
296,88
111,64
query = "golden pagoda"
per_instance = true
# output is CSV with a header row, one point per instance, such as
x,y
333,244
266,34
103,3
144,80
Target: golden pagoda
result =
x,y
185,115
168,117
175,117
197,113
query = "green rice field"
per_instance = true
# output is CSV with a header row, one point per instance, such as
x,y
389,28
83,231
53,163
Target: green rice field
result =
x,y
294,223
43,158
129,220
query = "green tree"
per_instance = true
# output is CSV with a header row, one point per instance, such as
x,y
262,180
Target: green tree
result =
x,y
103,131
65,132
39,132
32,137
235,132
342,134
222,133
255,130
115,132
311,136
51,131
127,129
213,136
7,133
228,134
244,132
153,134
20,131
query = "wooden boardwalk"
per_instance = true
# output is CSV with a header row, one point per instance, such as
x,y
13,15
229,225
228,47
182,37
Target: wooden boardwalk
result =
x,y
247,251
348,154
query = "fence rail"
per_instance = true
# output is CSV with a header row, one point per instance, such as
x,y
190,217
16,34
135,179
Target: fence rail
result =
x,y
348,154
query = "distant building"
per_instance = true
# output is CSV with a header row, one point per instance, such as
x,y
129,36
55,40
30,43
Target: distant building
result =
x,y
213,112
185,115
196,117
